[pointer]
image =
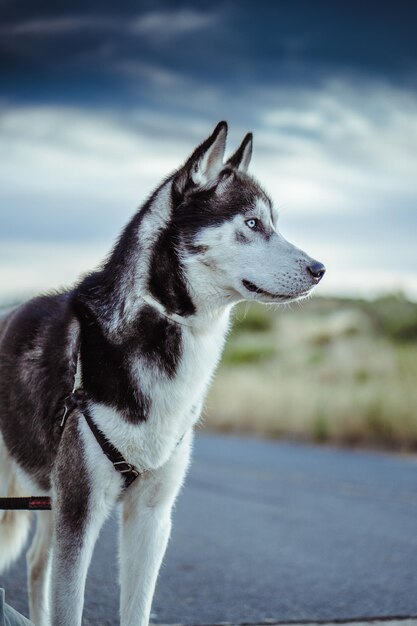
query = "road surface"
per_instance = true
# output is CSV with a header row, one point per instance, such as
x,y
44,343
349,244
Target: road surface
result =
x,y
274,531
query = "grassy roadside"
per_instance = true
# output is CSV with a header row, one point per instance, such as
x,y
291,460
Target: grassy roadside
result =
x,y
328,370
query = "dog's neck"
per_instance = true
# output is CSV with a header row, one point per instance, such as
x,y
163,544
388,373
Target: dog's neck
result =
x,y
173,317
201,320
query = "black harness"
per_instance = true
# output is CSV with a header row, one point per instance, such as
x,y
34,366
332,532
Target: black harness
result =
x,y
77,400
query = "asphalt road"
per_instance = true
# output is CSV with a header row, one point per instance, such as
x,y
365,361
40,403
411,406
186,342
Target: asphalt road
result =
x,y
272,531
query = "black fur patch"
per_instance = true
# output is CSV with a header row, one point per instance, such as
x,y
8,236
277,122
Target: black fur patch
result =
x,y
241,237
196,249
266,234
107,367
166,279
36,373
161,340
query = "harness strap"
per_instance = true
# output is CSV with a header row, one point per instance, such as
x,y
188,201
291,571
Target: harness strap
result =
x,y
128,471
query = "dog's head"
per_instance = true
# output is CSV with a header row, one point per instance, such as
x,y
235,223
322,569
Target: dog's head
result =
x,y
226,231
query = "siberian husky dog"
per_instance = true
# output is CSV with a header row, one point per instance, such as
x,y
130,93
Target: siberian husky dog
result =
x,y
142,337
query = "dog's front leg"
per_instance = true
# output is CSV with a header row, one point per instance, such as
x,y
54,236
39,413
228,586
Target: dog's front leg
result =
x,y
144,534
86,486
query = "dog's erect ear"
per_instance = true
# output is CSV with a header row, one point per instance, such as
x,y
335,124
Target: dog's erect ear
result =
x,y
241,158
206,162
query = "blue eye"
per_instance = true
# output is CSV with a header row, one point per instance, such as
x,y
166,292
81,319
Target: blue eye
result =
x,y
252,223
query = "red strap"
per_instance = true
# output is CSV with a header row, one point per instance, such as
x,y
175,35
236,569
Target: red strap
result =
x,y
34,503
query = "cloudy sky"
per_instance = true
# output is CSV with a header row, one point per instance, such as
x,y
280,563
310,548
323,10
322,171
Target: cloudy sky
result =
x,y
99,101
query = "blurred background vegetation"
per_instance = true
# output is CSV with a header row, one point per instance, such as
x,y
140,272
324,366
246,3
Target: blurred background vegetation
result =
x,y
330,370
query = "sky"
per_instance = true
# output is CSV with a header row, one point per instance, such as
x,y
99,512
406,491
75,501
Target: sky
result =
x,y
99,101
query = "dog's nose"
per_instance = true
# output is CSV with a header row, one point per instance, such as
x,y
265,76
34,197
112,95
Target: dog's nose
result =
x,y
317,270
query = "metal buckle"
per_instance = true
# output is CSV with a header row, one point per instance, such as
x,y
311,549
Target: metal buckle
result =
x,y
126,470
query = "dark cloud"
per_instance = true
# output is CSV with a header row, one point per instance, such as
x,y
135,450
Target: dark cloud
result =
x,y
131,52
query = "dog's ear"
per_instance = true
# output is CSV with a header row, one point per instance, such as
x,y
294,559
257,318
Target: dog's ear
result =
x,y
241,158
205,163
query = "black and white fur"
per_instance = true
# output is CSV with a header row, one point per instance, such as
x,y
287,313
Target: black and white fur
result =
x,y
151,325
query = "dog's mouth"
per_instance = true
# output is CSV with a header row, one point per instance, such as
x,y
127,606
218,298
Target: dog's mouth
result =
x,y
273,296
254,289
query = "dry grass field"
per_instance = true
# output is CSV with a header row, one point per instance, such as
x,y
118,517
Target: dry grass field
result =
x,y
326,370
